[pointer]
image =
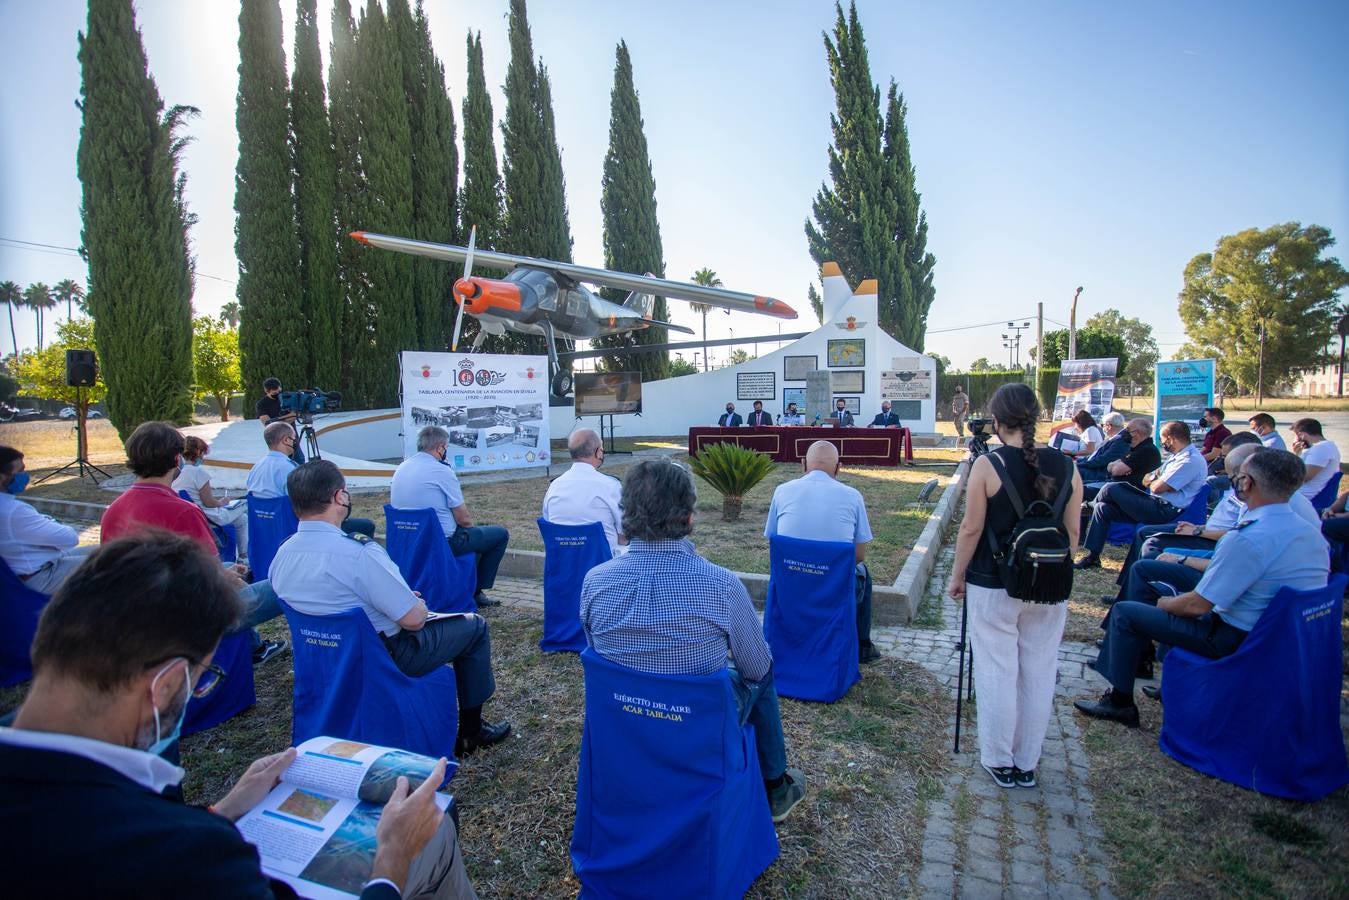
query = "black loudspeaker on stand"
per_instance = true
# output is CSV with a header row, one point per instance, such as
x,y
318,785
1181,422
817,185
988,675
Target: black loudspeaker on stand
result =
x,y
81,373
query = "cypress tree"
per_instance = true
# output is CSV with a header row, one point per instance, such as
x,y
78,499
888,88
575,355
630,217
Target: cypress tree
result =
x,y
480,200
135,224
867,218
556,225
387,161
311,136
631,230
273,338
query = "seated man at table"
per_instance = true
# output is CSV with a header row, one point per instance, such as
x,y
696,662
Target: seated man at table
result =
x,y
583,494
791,416
662,608
845,419
1272,548
1176,484
759,418
37,548
730,418
320,571
82,752
425,479
885,418
819,507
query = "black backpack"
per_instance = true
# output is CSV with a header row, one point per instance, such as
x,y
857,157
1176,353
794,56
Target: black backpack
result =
x,y
1035,563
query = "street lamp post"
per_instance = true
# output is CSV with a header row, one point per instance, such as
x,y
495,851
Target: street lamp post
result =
x,y
1072,326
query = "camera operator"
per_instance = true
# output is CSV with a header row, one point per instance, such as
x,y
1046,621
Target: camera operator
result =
x,y
268,410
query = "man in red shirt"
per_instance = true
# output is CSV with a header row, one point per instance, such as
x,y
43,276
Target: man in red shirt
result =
x,y
155,453
1217,433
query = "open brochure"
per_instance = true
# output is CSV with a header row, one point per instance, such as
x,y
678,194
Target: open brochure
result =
x,y
316,829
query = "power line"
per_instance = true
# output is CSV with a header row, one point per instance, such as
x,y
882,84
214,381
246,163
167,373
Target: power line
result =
x,y
1001,322
38,247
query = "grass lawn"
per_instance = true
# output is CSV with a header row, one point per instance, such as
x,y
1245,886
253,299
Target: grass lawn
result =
x,y
873,761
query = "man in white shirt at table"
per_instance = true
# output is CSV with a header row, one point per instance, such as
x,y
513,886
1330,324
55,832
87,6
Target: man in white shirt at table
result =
x,y
39,549
583,494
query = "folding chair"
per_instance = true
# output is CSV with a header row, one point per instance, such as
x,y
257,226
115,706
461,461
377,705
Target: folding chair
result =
x,y
810,618
1328,494
20,608
570,551
270,522
226,536
232,696
417,545
1196,512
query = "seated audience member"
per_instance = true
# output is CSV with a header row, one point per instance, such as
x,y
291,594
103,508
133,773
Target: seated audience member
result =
x,y
1271,548
425,480
1115,446
759,418
582,494
320,570
268,411
82,752
1335,529
1089,435
1320,456
39,549
155,453
267,478
1263,425
195,480
1141,458
845,419
1214,437
661,608
885,418
818,507
1176,484
791,417
730,418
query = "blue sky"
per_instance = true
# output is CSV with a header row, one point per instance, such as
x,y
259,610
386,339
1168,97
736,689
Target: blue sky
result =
x,y
1056,144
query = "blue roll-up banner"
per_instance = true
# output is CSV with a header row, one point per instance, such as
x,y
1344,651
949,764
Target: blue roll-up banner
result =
x,y
1184,390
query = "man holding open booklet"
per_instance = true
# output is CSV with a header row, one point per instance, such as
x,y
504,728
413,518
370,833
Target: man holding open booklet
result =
x,y
119,652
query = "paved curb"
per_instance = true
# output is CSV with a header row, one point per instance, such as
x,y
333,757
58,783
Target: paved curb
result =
x,y
67,509
901,599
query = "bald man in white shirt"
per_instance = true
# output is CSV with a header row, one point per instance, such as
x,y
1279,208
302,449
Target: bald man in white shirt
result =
x,y
583,494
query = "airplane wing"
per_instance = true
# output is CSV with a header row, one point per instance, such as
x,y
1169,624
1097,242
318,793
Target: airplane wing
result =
x,y
680,290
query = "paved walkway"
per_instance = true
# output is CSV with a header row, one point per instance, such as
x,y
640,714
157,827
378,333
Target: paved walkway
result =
x,y
985,841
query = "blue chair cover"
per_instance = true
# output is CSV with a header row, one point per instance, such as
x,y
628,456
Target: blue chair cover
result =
x,y
226,537
1267,717
20,607
1327,495
1196,512
270,522
810,619
669,805
346,685
233,695
417,545
570,551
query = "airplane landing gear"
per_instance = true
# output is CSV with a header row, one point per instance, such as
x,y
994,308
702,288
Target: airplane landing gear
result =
x,y
561,383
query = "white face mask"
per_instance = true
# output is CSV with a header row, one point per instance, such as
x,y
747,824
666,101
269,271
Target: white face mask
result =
x,y
163,741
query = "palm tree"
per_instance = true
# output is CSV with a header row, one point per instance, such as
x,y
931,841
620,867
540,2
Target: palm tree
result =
x,y
707,278
69,292
229,314
11,296
37,298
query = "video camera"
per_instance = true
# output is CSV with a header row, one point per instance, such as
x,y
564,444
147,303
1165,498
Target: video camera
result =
x,y
306,403
978,444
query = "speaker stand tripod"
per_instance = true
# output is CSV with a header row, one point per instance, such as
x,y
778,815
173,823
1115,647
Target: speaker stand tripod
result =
x,y
81,462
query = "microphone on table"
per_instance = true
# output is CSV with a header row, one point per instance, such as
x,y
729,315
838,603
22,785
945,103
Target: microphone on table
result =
x,y
817,420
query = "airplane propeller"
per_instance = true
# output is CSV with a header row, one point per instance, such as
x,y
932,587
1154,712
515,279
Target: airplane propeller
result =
x,y
462,301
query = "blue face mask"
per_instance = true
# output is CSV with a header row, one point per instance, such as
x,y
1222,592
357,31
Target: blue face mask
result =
x,y
18,483
163,741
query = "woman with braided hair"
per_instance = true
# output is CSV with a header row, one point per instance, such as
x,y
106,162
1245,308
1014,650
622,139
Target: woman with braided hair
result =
x,y
1017,641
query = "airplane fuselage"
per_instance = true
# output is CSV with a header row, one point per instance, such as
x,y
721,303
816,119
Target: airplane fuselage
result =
x,y
526,299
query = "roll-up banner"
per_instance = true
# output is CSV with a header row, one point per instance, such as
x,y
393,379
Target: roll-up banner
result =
x,y
1184,391
1085,384
495,407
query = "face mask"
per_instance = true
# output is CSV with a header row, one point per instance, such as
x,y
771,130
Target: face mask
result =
x,y
1237,489
163,741
18,483
730,409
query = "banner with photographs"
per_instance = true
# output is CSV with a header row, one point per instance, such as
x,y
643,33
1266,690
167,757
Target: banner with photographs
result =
x,y
1184,390
495,407
1085,384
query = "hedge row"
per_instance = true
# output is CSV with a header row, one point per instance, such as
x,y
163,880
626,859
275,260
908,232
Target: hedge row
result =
x,y
980,386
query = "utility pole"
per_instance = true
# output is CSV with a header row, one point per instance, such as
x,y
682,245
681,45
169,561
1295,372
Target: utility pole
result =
x,y
1039,342
1072,326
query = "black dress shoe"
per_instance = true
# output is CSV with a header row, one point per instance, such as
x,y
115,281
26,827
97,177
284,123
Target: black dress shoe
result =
x,y
1105,709
1143,669
482,600
487,735
1090,561
1100,643
1152,692
868,653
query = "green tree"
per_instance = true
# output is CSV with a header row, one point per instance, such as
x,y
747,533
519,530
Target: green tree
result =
x,y
273,333
943,363
816,302
11,295
681,366
631,229
215,363
136,222
38,297
868,217
480,203
42,373
1139,345
739,355
1092,343
229,314
71,293
1264,301
313,173
707,278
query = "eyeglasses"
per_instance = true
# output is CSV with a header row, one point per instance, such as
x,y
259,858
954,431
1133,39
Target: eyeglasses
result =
x,y
211,677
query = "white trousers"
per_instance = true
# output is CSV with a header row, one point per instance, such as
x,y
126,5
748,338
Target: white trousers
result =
x,y
238,517
1016,655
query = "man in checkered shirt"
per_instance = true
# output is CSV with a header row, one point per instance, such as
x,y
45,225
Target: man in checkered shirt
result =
x,y
662,608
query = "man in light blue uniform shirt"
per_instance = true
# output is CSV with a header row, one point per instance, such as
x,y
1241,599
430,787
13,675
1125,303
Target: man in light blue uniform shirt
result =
x,y
425,480
267,478
1177,482
1270,549
816,507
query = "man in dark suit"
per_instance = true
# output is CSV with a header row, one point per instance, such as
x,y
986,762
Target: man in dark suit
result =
x,y
759,417
841,413
885,418
119,652
730,418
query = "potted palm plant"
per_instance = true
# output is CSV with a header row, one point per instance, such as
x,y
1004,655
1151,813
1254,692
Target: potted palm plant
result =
x,y
732,471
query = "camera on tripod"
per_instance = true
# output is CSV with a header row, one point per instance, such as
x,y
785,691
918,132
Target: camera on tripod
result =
x,y
979,436
306,404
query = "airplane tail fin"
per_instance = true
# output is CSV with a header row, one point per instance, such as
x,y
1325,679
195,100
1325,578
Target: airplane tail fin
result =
x,y
640,303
